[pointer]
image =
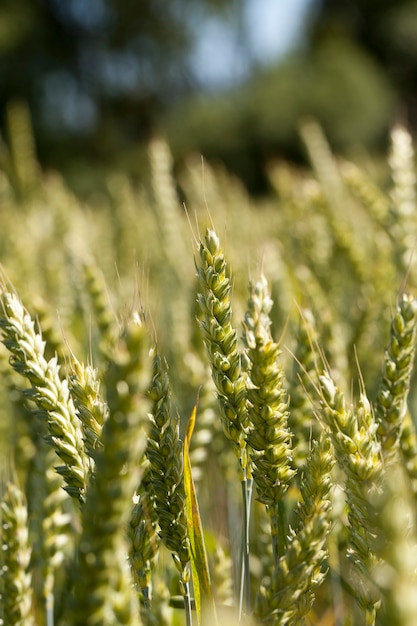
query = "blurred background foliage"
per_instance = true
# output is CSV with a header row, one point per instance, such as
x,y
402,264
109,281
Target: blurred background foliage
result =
x,y
100,78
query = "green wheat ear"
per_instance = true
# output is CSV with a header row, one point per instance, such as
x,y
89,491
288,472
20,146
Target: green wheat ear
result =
x,y
353,431
220,339
290,592
50,393
15,578
51,523
142,534
268,435
403,197
408,445
103,313
104,592
391,403
302,382
90,407
165,456
229,378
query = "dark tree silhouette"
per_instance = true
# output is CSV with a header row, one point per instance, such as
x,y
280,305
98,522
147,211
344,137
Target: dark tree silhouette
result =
x,y
98,69
386,29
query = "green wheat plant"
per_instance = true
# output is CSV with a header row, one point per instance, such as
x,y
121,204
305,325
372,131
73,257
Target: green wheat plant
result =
x,y
302,379
90,407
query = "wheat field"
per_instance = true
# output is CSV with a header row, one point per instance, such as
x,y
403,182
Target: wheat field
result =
x,y
207,401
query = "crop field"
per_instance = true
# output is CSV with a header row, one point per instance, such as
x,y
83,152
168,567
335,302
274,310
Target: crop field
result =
x,y
207,401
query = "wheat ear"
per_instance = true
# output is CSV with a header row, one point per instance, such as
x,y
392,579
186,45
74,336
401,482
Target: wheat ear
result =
x,y
104,592
396,574
391,403
90,407
403,197
15,578
290,593
166,464
48,391
50,521
366,191
268,435
47,501
142,534
353,432
408,443
103,313
301,382
220,339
